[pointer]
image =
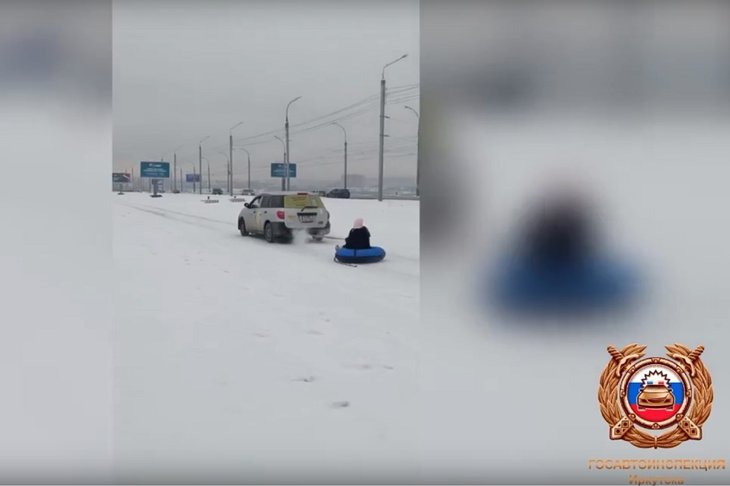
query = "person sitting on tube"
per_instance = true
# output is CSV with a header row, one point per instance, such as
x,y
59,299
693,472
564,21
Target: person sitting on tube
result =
x,y
561,234
359,237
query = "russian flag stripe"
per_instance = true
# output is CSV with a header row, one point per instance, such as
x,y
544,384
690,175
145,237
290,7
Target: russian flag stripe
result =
x,y
655,414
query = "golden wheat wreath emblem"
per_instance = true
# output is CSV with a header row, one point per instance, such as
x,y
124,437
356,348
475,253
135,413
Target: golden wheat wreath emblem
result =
x,y
659,383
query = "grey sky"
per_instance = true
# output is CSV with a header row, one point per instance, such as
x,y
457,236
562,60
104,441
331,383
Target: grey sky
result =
x,y
184,70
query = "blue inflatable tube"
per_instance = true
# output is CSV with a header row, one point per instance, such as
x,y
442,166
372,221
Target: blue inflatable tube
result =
x,y
373,254
596,283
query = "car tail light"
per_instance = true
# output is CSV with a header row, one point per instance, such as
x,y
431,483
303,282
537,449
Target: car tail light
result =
x,y
280,214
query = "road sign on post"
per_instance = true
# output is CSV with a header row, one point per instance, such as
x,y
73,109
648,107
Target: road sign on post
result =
x,y
155,170
278,169
121,178
192,177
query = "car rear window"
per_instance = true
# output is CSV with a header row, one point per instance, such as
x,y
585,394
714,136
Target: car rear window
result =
x,y
302,200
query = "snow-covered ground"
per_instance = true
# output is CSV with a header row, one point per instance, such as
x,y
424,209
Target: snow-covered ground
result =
x,y
236,359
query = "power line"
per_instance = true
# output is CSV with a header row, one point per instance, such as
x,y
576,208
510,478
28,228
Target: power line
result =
x,y
372,99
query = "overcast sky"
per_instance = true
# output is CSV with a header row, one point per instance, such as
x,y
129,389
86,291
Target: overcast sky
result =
x,y
184,70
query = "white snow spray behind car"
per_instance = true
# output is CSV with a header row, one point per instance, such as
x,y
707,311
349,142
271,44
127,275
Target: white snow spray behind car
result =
x,y
300,237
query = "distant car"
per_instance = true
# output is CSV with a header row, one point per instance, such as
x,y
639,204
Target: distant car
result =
x,y
339,193
217,191
321,193
276,215
248,192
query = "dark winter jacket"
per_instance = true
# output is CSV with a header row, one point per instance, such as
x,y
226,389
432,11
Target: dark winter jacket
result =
x,y
359,239
562,236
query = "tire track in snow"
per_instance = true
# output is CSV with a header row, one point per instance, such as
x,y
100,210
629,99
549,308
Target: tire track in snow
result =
x,y
223,245
228,223
164,212
167,212
371,273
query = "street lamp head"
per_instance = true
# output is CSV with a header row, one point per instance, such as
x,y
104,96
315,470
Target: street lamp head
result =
x,y
235,126
203,140
414,111
289,104
343,129
392,62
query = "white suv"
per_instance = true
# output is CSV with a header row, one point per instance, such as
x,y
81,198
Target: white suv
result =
x,y
277,214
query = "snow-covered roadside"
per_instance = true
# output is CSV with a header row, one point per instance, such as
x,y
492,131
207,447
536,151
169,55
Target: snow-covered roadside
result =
x,y
235,356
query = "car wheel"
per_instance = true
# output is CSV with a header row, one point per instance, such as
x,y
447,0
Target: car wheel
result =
x,y
242,227
269,233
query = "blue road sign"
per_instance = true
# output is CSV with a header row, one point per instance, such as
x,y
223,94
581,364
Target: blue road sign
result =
x,y
155,170
121,178
278,169
192,177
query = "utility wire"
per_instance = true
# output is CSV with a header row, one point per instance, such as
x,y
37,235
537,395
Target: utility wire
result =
x,y
370,100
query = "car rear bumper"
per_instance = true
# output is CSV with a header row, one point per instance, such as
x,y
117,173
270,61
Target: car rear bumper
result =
x,y
280,230
293,226
319,231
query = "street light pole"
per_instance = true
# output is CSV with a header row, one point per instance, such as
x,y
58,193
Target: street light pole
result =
x,y
230,158
201,182
418,151
382,127
155,182
230,168
381,139
230,162
249,166
194,178
286,166
174,167
287,155
345,132
200,163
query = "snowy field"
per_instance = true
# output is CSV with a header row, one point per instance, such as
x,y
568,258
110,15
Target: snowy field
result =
x,y
236,359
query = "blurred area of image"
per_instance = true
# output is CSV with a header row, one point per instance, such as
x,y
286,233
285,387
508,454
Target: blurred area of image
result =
x,y
55,356
55,53
575,158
